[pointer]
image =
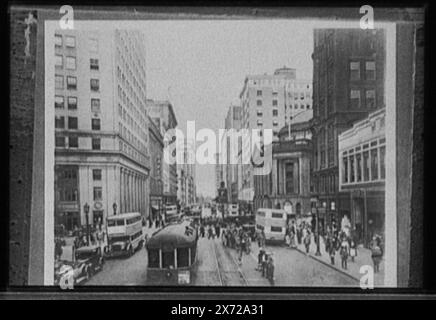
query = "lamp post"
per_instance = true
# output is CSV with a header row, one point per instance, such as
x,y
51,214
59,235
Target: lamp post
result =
x,y
318,252
86,209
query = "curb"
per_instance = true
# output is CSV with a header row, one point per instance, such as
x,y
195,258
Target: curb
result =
x,y
327,264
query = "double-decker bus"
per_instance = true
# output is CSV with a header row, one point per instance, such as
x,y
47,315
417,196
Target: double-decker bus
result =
x,y
171,213
124,232
172,253
273,223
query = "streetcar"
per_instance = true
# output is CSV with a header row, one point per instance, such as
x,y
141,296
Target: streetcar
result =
x,y
124,232
172,255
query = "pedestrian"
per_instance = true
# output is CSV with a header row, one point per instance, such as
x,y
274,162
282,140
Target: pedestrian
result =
x,y
260,259
202,230
307,241
58,249
213,231
299,234
332,252
353,250
344,252
209,232
376,253
218,230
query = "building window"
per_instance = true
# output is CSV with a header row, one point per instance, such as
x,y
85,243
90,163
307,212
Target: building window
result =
x,y
370,70
370,99
95,105
72,103
352,169
94,64
259,113
70,63
382,163
275,113
259,123
60,142
355,99
70,41
308,106
259,103
59,61
59,82
93,45
95,124
58,40
96,174
274,103
354,70
59,102
275,123
73,142
72,122
71,83
302,96
59,122
95,85
366,166
259,93
98,193
359,167
374,164
289,178
344,170
96,143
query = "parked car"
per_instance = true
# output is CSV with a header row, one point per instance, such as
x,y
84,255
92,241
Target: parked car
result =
x,y
89,260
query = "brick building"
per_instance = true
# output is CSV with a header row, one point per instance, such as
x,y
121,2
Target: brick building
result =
x,y
348,83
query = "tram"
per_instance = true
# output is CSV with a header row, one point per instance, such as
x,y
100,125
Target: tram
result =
x,y
172,255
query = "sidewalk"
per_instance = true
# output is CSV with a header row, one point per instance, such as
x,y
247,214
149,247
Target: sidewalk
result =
x,y
353,268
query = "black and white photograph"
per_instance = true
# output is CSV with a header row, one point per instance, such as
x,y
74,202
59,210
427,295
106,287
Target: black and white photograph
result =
x,y
216,148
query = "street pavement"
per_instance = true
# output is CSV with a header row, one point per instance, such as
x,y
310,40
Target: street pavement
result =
x,y
218,266
353,268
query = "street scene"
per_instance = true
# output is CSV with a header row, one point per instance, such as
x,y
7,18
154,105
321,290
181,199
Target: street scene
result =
x,y
190,154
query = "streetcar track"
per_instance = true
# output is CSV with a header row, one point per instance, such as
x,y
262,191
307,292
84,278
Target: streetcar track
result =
x,y
241,274
217,265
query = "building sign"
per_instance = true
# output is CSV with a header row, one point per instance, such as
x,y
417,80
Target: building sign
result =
x,y
98,205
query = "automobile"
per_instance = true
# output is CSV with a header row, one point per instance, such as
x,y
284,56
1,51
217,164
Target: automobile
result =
x,y
88,261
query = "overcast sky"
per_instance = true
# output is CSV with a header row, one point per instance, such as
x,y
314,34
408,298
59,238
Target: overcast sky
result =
x,y
200,66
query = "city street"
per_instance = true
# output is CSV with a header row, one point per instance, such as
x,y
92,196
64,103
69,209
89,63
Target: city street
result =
x,y
218,266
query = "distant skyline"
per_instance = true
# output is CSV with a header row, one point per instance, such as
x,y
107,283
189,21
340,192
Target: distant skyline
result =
x,y
200,66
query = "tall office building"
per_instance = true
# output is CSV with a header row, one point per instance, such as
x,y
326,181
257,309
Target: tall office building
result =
x,y
271,102
101,134
162,114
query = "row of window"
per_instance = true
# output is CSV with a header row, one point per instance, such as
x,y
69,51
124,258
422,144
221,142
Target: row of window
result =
x,y
72,83
70,63
356,101
364,165
73,142
369,70
72,103
73,123
70,42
